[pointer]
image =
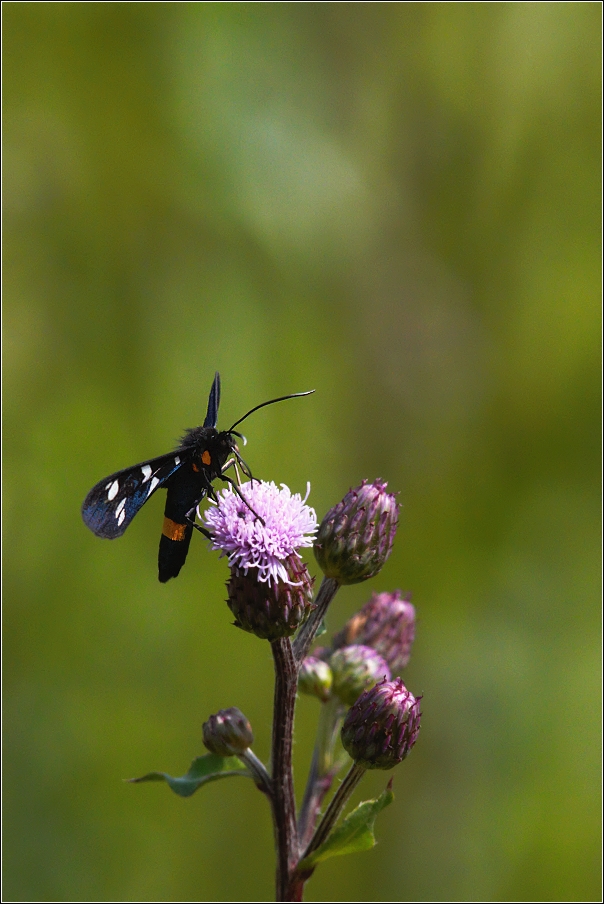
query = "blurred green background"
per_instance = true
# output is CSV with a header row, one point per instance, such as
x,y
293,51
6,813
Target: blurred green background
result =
x,y
398,205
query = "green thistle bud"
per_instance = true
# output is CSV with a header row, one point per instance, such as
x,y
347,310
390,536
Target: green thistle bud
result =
x,y
355,537
271,609
315,678
356,669
382,726
228,733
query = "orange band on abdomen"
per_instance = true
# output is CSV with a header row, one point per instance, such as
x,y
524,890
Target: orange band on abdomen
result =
x,y
172,530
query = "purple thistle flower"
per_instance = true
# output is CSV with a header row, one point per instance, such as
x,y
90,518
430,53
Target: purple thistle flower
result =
x,y
386,623
355,537
289,524
382,726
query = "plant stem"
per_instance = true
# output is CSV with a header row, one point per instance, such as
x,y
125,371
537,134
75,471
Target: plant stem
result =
x,y
322,769
317,789
337,804
283,799
328,589
301,876
258,771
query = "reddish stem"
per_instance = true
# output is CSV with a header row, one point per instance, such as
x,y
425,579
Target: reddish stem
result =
x,y
283,799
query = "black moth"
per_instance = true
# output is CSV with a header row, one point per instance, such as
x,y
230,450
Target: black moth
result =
x,y
187,473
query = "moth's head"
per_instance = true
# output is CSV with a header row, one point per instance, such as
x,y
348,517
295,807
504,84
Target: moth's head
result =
x,y
225,442
234,450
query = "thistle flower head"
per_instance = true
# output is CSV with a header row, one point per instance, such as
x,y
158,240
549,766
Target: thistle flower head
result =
x,y
228,732
355,537
355,669
386,623
270,610
289,524
382,726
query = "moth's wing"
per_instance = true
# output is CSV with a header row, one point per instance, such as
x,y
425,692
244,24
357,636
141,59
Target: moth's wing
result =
x,y
213,403
111,505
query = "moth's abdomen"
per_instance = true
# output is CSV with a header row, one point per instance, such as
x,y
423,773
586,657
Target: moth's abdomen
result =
x,y
185,490
173,549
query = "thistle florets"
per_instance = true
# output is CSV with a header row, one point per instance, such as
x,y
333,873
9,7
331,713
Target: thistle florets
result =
x,y
355,537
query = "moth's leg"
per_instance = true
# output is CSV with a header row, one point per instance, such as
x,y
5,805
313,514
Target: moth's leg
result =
x,y
201,530
237,473
241,496
190,519
232,463
244,467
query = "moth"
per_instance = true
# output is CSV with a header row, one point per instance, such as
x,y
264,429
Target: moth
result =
x,y
203,455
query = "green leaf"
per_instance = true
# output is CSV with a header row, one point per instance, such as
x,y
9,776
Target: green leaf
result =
x,y
203,769
355,833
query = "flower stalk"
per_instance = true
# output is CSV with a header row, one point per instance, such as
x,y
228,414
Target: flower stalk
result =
x,y
258,771
282,781
305,636
323,768
336,805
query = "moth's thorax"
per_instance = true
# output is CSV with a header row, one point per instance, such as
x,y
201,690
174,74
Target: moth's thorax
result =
x,y
198,437
211,447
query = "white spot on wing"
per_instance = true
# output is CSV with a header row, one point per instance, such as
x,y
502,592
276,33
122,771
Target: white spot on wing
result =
x,y
152,485
121,518
147,472
112,493
119,510
177,460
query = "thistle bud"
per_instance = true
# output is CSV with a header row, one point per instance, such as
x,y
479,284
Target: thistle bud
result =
x,y
355,537
271,609
315,678
382,726
356,669
386,623
228,733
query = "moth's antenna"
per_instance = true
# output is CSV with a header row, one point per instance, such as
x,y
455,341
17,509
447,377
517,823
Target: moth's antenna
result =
x,y
294,395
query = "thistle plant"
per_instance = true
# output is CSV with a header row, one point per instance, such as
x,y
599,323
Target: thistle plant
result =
x,y
260,528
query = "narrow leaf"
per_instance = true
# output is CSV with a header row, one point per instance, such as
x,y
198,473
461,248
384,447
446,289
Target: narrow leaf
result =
x,y
203,769
355,833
